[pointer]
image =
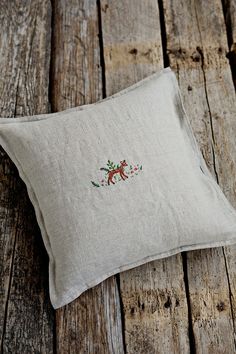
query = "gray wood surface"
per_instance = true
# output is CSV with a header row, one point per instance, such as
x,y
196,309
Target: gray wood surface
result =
x,y
26,315
66,53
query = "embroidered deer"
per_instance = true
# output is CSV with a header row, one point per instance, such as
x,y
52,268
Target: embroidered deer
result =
x,y
115,173
119,170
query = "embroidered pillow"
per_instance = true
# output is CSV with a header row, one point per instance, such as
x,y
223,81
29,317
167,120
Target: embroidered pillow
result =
x,y
116,184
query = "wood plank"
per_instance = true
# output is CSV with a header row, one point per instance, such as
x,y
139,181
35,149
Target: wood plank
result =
x,y
153,296
90,324
197,47
26,322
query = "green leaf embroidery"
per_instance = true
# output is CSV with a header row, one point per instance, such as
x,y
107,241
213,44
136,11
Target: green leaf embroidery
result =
x,y
111,165
104,169
95,184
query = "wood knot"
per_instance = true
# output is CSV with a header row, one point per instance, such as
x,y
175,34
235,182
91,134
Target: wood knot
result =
x,y
190,88
167,304
182,51
199,50
178,53
220,306
134,51
196,57
105,7
147,53
132,310
141,305
216,116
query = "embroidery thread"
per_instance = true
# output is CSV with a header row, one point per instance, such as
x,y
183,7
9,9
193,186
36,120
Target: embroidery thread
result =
x,y
116,173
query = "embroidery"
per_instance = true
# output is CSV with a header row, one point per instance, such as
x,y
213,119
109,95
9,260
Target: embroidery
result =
x,y
115,173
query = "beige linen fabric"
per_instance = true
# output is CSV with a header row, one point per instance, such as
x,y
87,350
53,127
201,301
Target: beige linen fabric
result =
x,y
154,198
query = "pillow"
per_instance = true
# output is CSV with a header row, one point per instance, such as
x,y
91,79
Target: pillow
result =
x,y
116,184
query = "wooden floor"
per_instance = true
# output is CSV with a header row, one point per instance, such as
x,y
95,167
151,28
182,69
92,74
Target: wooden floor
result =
x,y
70,52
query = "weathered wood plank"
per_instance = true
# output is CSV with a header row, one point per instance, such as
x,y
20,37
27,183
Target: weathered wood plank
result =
x,y
26,321
132,42
90,324
76,69
154,304
197,47
153,296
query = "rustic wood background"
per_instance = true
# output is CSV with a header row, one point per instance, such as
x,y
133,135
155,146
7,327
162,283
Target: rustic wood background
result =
x,y
60,54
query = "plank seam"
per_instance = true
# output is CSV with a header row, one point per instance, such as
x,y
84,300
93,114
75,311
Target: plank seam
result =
x,y
101,45
166,60
51,70
122,314
229,32
50,101
192,343
228,23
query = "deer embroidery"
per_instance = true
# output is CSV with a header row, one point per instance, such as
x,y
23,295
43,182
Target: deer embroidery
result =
x,y
119,170
115,173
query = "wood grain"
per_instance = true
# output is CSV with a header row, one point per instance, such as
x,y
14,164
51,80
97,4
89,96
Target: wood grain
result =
x,y
26,314
90,324
197,50
153,296
76,76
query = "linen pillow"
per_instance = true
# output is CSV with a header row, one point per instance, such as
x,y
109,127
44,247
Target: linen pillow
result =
x,y
116,184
